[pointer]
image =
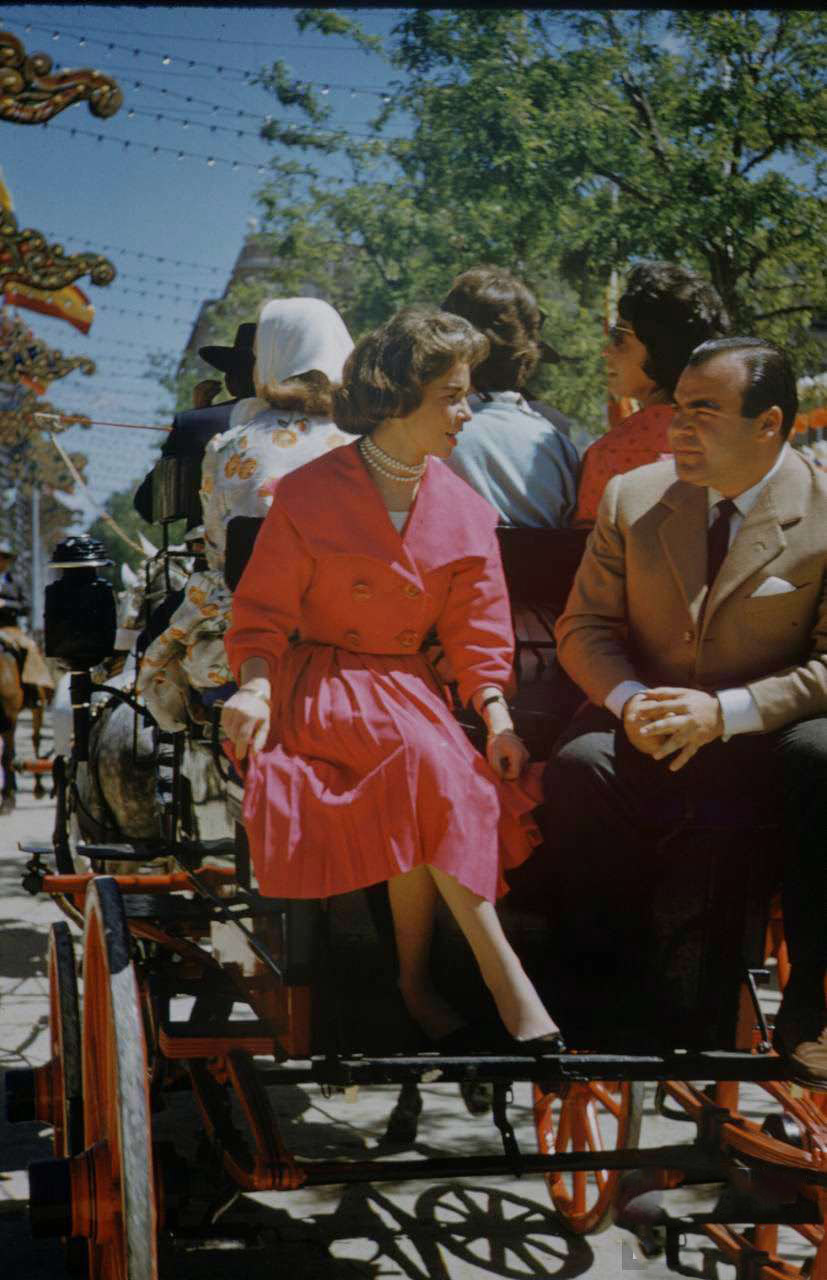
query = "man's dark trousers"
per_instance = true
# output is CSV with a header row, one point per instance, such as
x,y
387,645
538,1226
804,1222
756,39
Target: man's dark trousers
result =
x,y
607,807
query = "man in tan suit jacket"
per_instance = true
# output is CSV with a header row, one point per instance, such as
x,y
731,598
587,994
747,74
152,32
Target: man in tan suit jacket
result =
x,y
697,627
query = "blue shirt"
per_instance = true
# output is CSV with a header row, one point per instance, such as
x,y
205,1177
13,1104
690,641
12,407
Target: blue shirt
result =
x,y
516,459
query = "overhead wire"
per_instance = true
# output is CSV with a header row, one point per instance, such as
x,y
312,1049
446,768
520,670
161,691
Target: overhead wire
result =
x,y
157,148
142,253
190,39
191,63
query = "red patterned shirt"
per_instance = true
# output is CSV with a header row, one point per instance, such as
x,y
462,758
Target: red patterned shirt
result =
x,y
634,442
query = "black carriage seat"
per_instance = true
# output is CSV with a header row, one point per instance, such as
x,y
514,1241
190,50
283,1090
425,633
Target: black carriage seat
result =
x,y
540,565
175,490
242,532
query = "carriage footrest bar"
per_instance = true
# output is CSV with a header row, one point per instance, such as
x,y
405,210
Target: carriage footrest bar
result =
x,y
34,766
557,1070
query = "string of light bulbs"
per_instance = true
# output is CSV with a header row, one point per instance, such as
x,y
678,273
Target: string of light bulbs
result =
x,y
190,39
191,100
188,122
190,64
118,287
196,290
105,307
140,253
157,148
119,342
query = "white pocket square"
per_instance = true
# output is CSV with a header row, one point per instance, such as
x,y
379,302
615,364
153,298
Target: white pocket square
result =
x,y
773,587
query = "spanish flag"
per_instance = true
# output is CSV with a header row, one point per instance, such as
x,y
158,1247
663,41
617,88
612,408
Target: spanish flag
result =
x,y
70,304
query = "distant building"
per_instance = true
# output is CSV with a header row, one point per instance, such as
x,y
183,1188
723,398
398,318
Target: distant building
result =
x,y
255,262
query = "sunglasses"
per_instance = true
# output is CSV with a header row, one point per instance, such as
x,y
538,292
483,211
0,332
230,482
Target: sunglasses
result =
x,y
617,333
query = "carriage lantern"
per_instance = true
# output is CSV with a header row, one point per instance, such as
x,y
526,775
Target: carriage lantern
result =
x,y
80,606
80,621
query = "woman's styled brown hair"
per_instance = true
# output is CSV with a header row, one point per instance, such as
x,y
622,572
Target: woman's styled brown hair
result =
x,y
506,311
386,373
310,393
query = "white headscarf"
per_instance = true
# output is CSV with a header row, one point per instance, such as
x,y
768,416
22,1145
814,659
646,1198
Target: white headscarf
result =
x,y
294,335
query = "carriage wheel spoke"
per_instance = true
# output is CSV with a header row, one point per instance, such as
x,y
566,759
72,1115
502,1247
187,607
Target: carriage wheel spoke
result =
x,y
612,1102
580,1192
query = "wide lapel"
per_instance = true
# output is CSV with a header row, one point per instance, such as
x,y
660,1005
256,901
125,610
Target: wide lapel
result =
x,y
383,539
448,522
761,536
683,538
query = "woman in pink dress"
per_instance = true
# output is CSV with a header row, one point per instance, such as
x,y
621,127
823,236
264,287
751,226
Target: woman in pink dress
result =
x,y
356,770
664,313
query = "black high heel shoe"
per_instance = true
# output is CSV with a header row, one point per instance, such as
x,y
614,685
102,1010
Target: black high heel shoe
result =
x,y
543,1046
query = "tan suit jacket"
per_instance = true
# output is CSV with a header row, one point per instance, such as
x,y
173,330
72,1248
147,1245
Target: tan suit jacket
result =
x,y
638,608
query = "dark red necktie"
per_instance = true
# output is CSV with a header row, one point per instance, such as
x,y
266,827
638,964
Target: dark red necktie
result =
x,y
717,538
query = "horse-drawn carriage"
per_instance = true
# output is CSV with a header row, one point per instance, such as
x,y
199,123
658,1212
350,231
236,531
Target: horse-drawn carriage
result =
x,y
195,985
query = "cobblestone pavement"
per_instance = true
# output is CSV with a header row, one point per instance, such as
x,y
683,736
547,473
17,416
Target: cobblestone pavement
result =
x,y
414,1231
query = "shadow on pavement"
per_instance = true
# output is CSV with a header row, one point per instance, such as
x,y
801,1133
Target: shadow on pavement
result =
x,y
454,1230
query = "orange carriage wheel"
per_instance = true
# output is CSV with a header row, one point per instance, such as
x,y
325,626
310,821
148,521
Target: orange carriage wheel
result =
x,y
64,1038
121,1216
799,1123
746,1250
66,1088
596,1116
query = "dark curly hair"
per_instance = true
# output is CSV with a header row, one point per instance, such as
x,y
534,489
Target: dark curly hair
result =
x,y
672,310
386,372
506,311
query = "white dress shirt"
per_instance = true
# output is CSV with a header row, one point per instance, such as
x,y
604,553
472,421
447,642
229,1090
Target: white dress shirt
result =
x,y
739,710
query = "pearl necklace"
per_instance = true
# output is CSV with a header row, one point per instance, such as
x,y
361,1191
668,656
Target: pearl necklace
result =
x,y
376,458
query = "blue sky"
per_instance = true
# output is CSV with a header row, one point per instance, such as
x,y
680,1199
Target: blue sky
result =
x,y
187,217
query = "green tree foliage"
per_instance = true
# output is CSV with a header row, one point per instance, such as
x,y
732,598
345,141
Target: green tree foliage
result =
x,y
565,146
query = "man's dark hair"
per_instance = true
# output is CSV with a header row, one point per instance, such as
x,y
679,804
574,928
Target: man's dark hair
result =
x,y
770,376
506,311
671,310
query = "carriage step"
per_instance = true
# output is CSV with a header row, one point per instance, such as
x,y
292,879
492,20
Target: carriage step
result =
x,y
220,848
39,850
192,853
216,1039
167,909
124,852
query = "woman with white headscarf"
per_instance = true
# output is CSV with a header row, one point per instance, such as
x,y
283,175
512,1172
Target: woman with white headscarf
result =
x,y
301,345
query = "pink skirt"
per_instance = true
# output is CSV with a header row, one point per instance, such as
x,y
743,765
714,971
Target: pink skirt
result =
x,y
366,775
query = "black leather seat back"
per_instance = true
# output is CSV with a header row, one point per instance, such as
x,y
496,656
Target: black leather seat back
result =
x,y
540,564
242,532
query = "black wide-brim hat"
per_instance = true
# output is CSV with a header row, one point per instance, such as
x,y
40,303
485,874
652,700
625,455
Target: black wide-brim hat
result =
x,y
239,356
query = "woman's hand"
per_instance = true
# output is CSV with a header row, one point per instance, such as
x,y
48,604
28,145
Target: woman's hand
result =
x,y
245,718
507,754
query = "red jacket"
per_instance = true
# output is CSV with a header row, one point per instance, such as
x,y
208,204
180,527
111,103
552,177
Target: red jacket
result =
x,y
329,564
